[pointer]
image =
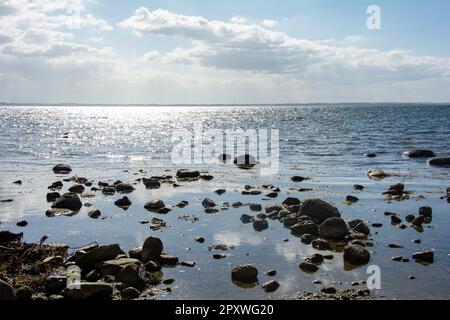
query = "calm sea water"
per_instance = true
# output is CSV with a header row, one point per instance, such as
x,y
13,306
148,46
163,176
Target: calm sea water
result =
x,y
326,143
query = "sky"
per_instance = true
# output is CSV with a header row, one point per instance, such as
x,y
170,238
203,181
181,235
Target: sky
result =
x,y
223,52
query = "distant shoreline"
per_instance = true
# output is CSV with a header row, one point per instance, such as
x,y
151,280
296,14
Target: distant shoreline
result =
x,y
6,104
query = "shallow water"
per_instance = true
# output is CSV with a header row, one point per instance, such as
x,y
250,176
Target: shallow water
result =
x,y
325,143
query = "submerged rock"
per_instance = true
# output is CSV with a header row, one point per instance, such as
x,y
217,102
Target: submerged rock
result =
x,y
62,169
124,188
245,162
377,174
260,225
318,209
439,162
69,201
245,273
419,153
308,267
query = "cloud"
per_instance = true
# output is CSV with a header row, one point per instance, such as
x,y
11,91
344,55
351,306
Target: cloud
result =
x,y
269,23
236,45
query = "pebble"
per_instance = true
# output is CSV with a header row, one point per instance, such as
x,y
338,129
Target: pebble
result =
x,y
271,286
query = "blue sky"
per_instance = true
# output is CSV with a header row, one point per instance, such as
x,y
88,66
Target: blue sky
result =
x,y
114,51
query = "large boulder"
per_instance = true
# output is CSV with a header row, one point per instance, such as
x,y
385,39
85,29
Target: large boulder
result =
x,y
356,255
245,273
6,292
88,291
305,227
152,249
333,228
96,255
131,277
62,169
113,267
318,209
69,201
419,153
439,162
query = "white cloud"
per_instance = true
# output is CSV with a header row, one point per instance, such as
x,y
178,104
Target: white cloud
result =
x,y
269,23
250,47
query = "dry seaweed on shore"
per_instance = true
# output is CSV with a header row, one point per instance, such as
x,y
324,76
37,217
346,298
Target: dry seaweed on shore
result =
x,y
30,264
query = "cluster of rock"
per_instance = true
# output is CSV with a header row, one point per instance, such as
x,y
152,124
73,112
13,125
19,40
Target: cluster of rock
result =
x,y
105,272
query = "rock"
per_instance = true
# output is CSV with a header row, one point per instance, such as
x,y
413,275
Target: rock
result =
x,y
6,237
237,205
124,188
260,225
370,155
320,244
6,292
271,286
315,259
199,239
396,189
271,273
152,249
168,260
22,224
154,205
246,219
123,202
410,218
358,187
351,199
52,196
113,267
308,267
62,169
130,293
395,219
377,174
426,212
439,162
94,214
93,276
152,266
206,177
135,253
187,174
131,277
208,203
272,195
55,284
24,293
419,153
109,191
151,184
219,256
273,208
255,207
96,255
359,226
306,238
245,273
245,161
18,182
298,179
329,290
69,201
88,291
305,227
220,192
189,264
356,255
318,209
419,221
225,158
333,228
394,246
60,212
377,225
289,202
397,259
78,188
56,185
424,256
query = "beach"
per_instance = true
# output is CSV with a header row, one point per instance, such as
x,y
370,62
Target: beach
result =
x,y
326,152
